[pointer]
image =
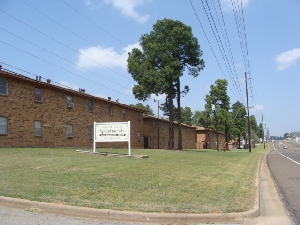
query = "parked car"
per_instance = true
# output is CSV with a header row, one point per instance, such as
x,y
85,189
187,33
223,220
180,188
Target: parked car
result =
x,y
284,147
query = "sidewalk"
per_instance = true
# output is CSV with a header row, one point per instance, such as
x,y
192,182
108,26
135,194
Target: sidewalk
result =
x,y
268,209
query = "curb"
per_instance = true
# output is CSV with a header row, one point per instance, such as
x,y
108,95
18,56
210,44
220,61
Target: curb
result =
x,y
106,214
128,216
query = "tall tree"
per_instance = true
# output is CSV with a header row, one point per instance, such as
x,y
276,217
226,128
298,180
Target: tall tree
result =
x,y
166,52
217,109
239,124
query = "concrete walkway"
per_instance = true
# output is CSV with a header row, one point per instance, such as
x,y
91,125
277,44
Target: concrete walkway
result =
x,y
268,209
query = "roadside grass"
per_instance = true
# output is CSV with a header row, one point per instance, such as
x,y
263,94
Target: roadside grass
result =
x,y
188,181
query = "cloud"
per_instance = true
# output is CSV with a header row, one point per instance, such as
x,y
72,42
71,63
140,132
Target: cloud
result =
x,y
127,8
227,5
97,57
287,59
88,2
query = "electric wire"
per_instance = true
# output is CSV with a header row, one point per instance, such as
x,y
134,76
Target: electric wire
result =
x,y
222,50
72,32
62,44
61,58
210,45
61,68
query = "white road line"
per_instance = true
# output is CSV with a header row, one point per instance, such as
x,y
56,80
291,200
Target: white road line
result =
x,y
286,156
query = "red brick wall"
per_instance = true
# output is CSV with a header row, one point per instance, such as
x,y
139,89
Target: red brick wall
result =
x,y
21,110
151,132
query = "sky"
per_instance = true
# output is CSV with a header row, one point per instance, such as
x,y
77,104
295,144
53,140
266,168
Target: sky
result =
x,y
85,44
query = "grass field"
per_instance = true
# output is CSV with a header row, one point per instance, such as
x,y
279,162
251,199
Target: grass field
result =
x,y
188,181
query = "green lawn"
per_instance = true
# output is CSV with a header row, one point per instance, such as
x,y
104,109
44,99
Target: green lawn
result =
x,y
190,181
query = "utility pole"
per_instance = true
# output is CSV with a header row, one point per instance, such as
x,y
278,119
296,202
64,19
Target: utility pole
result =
x,y
158,124
263,132
216,124
249,142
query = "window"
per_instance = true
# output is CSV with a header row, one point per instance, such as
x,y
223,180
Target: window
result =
x,y
3,125
37,128
138,116
154,140
163,141
124,113
90,106
90,132
162,125
138,136
110,110
154,123
38,94
3,86
69,131
70,103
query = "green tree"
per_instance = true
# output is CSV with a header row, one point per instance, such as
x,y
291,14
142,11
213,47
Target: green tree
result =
x,y
187,115
217,109
166,52
239,120
146,108
200,118
253,128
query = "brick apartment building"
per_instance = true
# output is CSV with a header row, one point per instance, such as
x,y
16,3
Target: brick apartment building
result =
x,y
156,134
208,139
36,113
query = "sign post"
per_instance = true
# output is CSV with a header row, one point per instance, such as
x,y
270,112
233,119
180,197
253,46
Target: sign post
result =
x,y
112,132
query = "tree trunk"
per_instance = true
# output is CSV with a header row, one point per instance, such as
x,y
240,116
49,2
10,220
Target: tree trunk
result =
x,y
171,122
179,116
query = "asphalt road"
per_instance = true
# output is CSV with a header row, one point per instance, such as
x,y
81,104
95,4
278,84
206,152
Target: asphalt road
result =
x,y
284,165
9,216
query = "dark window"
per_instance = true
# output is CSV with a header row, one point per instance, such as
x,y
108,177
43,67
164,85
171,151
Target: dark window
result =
x,y
138,136
69,131
110,110
138,116
37,128
124,113
90,105
90,132
3,86
38,94
3,125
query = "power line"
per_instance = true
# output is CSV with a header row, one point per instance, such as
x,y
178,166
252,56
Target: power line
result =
x,y
62,44
222,50
210,45
72,32
61,57
62,68
93,22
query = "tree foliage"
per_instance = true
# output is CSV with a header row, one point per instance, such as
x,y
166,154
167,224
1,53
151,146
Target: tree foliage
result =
x,y
166,52
239,120
147,108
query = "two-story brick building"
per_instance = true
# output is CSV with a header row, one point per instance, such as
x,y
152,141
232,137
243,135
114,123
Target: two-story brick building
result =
x,y
156,134
37,113
34,113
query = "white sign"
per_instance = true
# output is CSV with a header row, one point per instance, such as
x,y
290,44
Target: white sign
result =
x,y
106,132
112,132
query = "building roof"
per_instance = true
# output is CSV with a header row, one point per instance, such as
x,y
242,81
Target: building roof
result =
x,y
47,84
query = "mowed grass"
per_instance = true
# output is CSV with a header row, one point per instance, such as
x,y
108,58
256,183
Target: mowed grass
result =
x,y
188,181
